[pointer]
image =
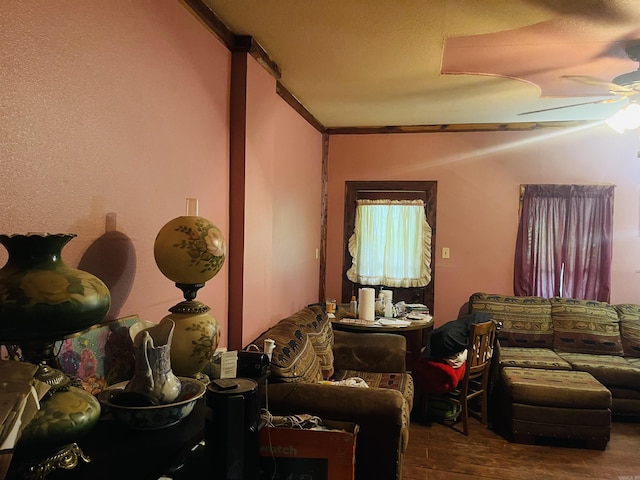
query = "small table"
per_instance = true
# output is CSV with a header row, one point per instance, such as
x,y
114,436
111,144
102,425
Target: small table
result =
x,y
416,334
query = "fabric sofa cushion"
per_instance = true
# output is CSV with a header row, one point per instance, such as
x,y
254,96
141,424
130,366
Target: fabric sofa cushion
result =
x,y
585,326
610,370
314,322
546,388
294,358
526,357
629,315
526,321
402,382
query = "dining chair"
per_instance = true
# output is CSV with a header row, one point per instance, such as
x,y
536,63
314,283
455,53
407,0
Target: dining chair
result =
x,y
475,383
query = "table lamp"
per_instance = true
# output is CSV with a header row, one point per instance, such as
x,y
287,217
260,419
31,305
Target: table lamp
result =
x,y
190,250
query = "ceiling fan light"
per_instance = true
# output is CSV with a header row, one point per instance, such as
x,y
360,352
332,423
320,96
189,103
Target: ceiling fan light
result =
x,y
627,118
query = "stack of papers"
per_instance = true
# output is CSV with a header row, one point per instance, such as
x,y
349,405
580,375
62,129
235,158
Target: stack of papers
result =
x,y
357,321
393,322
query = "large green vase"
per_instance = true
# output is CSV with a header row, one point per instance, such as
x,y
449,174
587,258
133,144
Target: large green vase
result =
x,y
42,299
66,414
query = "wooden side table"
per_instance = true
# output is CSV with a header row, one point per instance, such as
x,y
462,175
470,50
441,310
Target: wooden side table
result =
x,y
415,334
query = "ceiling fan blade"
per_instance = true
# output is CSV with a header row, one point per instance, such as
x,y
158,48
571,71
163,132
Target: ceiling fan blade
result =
x,y
612,87
572,105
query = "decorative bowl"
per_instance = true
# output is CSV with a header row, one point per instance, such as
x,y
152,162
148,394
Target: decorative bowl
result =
x,y
153,417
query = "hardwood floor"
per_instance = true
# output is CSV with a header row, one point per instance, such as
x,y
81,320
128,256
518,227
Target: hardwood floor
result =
x,y
443,452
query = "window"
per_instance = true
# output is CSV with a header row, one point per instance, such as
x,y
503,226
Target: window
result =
x,y
389,190
564,242
391,244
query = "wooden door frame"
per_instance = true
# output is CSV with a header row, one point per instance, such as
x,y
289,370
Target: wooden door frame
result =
x,y
397,189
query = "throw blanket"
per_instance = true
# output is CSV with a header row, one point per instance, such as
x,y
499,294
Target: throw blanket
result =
x,y
434,376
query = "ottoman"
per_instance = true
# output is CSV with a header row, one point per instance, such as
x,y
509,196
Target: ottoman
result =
x,y
556,403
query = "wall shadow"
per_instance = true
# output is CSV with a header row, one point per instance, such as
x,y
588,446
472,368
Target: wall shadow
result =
x,y
112,258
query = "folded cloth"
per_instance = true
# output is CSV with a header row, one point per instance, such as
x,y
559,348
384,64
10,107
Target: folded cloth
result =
x,y
434,376
457,360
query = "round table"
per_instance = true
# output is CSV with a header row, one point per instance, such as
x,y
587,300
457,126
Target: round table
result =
x,y
415,333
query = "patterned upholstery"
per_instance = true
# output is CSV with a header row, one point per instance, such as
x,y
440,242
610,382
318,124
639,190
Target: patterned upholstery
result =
x,y
403,382
585,326
314,322
629,315
526,321
305,343
532,358
566,389
294,358
587,336
610,370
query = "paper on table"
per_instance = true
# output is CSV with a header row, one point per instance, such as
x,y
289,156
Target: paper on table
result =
x,y
392,322
358,321
419,317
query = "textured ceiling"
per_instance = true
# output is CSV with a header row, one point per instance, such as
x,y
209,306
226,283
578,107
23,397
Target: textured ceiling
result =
x,y
355,63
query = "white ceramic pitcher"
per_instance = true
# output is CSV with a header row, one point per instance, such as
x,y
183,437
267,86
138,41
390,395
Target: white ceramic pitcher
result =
x,y
153,376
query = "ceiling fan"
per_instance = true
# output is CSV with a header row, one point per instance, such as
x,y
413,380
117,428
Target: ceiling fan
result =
x,y
623,87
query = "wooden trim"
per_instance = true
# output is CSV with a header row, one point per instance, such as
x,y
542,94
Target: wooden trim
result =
x,y
211,21
428,187
247,43
456,128
263,58
294,103
324,192
237,190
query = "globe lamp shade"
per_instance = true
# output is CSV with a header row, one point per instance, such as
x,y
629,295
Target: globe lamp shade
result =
x,y
190,250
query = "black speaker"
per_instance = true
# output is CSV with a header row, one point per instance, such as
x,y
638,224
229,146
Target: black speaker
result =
x,y
232,429
252,364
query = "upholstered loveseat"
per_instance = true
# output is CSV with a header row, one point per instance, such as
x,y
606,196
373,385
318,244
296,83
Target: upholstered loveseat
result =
x,y
309,354
568,334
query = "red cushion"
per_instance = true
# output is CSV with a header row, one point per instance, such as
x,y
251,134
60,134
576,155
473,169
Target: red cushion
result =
x,y
433,376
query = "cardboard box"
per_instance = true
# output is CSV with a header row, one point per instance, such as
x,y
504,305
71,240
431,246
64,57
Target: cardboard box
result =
x,y
304,454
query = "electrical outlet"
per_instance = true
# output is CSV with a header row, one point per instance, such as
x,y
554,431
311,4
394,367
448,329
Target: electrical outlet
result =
x,y
445,252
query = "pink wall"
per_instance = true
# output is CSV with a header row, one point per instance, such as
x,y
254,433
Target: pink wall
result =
x,y
113,110
282,221
115,113
478,177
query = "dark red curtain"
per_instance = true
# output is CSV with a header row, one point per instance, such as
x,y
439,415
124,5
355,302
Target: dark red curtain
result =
x,y
564,242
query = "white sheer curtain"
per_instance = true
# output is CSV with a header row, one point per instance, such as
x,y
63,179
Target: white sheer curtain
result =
x,y
391,244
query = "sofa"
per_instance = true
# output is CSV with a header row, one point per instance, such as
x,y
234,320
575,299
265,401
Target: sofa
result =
x,y
564,334
310,357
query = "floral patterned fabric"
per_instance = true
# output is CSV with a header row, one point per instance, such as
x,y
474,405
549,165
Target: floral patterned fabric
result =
x,y
100,356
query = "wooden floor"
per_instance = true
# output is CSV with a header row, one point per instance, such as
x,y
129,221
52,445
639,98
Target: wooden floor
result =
x,y
440,452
